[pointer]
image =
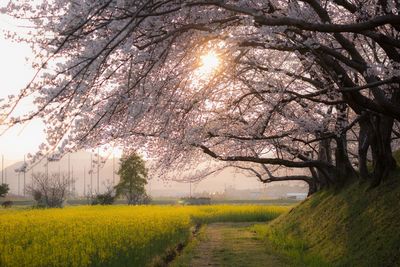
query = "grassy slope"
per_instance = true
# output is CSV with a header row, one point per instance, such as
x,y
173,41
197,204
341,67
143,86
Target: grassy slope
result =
x,y
353,227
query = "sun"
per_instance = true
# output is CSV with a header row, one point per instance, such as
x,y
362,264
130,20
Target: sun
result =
x,y
210,61
205,69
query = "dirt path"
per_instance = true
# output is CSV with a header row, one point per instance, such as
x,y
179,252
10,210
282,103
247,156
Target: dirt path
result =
x,y
230,244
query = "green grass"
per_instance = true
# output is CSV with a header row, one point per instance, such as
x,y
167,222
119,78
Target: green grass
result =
x,y
228,244
189,253
353,227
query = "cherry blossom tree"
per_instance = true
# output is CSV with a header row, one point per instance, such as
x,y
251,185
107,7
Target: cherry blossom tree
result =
x,y
273,83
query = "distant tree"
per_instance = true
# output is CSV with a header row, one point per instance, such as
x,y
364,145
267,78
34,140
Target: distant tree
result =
x,y
4,188
133,174
105,198
7,204
49,190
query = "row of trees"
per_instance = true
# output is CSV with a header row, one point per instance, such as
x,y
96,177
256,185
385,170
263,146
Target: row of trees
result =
x,y
312,85
52,190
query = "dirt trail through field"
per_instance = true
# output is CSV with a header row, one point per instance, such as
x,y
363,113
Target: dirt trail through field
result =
x,y
232,244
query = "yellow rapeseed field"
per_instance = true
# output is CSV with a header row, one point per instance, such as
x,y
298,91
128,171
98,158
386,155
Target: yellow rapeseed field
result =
x,y
107,235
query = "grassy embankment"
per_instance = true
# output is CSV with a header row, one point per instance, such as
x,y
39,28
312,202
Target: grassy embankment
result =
x,y
352,227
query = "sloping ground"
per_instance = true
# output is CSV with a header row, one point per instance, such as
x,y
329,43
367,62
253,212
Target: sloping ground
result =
x,y
353,227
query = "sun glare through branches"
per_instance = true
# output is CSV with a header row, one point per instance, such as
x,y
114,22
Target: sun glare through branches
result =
x,y
208,65
210,62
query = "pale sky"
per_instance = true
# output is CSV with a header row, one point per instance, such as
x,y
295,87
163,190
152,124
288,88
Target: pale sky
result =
x,y
15,73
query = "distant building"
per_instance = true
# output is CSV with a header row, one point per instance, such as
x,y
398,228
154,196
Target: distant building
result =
x,y
298,196
195,201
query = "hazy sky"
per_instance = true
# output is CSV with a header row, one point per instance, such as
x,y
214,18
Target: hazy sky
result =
x,y
15,72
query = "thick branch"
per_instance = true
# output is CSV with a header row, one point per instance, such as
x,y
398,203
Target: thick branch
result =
x,y
271,161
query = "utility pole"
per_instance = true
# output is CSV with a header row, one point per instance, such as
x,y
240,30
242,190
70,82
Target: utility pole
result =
x,y
190,192
91,173
72,182
98,170
2,169
113,169
149,186
19,182
84,181
47,169
69,174
24,175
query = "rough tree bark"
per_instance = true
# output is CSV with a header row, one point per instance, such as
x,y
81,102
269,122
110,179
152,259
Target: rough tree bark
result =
x,y
375,134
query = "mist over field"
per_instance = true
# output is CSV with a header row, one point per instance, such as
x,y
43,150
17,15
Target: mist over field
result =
x,y
234,184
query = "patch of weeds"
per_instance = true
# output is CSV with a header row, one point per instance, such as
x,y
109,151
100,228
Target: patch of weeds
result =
x,y
295,250
187,253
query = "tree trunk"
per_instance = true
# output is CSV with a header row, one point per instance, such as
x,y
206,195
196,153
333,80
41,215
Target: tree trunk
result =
x,y
325,154
363,145
344,168
375,132
318,184
312,187
382,159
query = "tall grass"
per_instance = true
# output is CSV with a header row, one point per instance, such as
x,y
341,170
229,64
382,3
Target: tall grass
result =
x,y
292,247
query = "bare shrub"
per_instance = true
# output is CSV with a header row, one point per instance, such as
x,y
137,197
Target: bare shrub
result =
x,y
49,190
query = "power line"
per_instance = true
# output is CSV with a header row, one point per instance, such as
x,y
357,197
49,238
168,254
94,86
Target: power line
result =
x,y
91,173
